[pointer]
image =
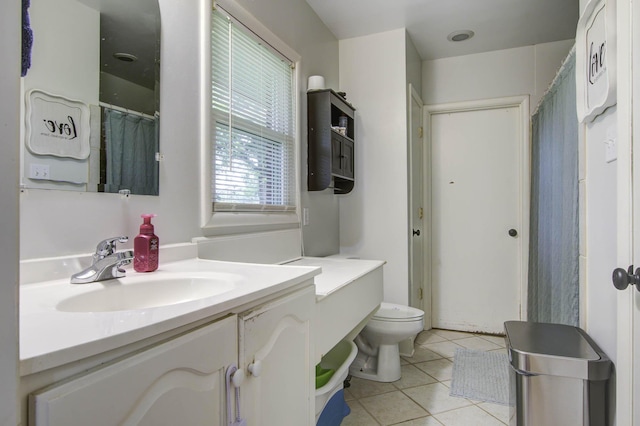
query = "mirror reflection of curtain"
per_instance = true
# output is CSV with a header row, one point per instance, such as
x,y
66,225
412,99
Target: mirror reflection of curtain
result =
x,y
553,294
131,144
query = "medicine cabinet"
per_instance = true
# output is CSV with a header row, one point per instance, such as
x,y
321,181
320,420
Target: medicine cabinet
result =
x,y
331,149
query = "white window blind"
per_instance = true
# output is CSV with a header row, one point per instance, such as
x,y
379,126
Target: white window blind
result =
x,y
253,116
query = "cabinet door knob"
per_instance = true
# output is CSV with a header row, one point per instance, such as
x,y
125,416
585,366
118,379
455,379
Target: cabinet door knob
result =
x,y
255,368
237,378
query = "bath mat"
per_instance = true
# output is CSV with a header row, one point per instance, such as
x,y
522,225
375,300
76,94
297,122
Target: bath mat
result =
x,y
481,375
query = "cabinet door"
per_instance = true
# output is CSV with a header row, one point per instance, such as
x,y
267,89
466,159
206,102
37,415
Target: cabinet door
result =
x,y
180,382
336,153
347,158
275,343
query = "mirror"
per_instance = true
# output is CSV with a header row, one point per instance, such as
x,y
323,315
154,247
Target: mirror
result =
x,y
92,96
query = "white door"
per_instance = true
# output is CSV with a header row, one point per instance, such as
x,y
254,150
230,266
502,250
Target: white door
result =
x,y
477,227
275,349
416,212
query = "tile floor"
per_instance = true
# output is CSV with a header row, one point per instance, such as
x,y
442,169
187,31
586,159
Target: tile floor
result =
x,y
421,396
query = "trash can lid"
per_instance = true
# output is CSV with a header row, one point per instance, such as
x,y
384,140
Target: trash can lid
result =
x,y
555,349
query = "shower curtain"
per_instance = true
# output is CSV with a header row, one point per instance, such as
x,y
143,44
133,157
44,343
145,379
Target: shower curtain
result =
x,y
131,144
553,291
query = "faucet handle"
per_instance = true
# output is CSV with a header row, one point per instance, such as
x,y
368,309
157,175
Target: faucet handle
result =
x,y
124,258
108,247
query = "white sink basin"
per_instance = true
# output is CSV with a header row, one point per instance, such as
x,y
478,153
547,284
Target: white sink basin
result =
x,y
140,292
62,322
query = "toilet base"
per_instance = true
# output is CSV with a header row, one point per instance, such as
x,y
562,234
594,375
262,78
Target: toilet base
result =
x,y
382,368
407,347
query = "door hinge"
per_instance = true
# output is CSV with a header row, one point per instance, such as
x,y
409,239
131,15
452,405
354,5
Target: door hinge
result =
x,y
420,132
420,213
420,293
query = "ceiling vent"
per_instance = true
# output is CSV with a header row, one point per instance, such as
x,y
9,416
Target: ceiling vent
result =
x,y
460,35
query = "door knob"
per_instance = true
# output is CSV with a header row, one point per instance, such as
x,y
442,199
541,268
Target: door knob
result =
x,y
621,278
416,232
255,368
513,232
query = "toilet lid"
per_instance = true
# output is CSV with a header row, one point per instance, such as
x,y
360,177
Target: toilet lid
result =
x,y
393,312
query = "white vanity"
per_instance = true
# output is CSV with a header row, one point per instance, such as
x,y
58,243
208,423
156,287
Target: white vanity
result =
x,y
104,354
156,364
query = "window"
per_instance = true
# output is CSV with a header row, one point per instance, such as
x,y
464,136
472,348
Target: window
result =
x,y
253,122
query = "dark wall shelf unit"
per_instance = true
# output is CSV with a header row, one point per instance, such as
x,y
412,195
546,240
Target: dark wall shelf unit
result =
x,y
330,154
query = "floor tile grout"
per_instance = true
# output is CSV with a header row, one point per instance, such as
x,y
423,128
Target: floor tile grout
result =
x,y
445,378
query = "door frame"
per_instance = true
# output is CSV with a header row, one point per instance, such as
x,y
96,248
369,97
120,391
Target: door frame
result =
x,y
415,302
628,197
522,103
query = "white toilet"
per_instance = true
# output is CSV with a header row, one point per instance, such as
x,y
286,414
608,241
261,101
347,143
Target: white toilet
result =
x,y
378,356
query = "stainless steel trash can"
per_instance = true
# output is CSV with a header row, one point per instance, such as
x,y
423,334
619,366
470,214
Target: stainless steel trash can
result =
x,y
558,376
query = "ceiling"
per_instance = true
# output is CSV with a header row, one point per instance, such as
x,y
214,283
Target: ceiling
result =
x,y
497,24
133,26
130,27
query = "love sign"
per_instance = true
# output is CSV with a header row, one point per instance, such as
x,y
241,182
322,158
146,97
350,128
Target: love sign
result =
x,y
57,126
596,59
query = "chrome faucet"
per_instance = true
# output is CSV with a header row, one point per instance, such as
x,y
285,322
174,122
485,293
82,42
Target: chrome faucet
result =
x,y
107,263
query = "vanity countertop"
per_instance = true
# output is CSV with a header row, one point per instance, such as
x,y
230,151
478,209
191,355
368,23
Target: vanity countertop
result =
x,y
348,292
50,337
337,272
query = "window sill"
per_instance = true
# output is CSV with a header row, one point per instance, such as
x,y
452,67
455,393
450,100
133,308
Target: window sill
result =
x,y
228,223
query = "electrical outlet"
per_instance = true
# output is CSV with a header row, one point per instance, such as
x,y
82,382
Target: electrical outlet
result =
x,y
39,171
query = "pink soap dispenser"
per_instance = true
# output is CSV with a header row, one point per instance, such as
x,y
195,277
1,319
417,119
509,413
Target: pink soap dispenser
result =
x,y
146,247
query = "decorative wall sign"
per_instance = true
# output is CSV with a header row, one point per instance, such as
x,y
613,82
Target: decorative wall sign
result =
x,y
57,126
596,59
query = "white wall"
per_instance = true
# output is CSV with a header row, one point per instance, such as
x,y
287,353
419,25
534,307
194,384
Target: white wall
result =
x,y
598,254
57,223
123,93
295,23
373,217
10,13
66,50
65,62
599,240
414,65
519,71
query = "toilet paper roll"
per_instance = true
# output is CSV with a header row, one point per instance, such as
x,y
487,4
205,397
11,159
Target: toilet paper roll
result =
x,y
316,82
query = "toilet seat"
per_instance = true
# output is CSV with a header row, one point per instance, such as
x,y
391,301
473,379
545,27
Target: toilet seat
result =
x,y
397,313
